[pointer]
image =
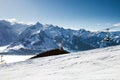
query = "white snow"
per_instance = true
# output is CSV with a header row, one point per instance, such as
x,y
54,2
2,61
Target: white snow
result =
x,y
2,48
98,64
17,47
8,47
15,58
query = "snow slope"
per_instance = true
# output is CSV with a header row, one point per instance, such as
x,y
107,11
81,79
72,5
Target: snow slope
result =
x,y
98,64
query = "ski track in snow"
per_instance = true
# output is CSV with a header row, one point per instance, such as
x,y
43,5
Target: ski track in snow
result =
x,y
98,64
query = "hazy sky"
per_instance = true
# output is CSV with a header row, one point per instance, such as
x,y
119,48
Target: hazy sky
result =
x,y
76,14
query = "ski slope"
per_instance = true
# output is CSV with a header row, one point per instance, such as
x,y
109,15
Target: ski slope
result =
x,y
98,64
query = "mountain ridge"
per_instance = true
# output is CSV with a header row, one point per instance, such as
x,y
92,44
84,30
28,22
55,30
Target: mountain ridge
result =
x,y
40,38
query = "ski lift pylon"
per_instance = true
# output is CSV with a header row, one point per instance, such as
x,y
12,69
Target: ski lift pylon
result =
x,y
107,38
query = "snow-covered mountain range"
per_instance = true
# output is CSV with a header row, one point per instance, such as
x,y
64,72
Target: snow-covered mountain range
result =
x,y
98,64
30,39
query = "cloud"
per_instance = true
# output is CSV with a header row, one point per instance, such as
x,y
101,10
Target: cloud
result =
x,y
13,21
30,23
116,25
104,24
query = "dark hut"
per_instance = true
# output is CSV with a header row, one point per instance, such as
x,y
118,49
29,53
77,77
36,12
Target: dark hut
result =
x,y
51,53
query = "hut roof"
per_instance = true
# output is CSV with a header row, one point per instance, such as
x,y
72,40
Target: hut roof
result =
x,y
50,53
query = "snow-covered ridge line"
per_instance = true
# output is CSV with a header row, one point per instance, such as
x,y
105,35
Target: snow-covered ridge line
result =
x,y
38,38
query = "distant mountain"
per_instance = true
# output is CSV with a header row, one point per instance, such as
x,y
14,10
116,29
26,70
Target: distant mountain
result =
x,y
7,35
39,38
35,38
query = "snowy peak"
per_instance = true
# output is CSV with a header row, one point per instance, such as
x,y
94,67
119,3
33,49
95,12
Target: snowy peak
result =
x,y
38,24
3,22
34,29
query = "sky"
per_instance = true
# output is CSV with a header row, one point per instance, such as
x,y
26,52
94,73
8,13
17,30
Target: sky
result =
x,y
74,14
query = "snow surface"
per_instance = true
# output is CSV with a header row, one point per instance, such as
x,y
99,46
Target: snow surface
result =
x,y
15,58
2,48
98,64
